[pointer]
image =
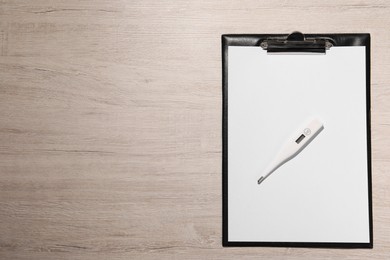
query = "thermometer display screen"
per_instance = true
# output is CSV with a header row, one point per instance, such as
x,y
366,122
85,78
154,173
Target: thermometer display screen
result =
x,y
300,138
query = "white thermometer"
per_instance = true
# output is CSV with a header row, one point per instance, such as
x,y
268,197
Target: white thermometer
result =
x,y
294,146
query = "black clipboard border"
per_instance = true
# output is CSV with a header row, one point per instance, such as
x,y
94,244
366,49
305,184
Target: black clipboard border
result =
x,y
348,39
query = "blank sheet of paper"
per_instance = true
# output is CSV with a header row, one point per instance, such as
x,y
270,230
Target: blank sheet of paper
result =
x,y
321,195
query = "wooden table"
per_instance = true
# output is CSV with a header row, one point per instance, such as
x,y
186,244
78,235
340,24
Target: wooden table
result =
x,y
110,133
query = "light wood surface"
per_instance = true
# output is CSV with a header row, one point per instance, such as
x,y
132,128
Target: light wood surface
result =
x,y
110,124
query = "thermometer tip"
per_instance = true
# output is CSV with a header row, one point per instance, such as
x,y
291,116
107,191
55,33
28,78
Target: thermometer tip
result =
x,y
260,180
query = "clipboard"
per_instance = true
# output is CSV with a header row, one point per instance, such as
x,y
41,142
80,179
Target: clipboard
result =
x,y
271,84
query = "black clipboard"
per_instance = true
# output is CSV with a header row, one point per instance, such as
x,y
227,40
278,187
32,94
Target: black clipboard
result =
x,y
299,43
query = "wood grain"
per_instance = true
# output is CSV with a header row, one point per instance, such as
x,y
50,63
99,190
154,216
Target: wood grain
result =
x,y
110,133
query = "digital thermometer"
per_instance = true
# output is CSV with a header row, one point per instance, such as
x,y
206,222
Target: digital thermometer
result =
x,y
294,146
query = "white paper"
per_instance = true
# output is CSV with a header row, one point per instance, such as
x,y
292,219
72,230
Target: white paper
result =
x,y
321,195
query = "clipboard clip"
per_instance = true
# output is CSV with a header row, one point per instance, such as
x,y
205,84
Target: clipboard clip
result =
x,y
296,42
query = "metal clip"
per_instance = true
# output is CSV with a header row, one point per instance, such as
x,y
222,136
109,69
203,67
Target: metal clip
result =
x,y
296,42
